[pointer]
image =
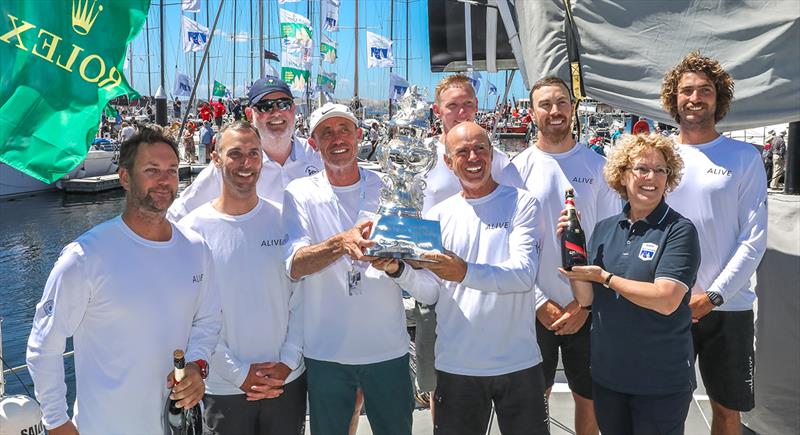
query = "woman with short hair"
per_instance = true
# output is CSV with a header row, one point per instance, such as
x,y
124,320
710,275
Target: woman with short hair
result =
x,y
642,264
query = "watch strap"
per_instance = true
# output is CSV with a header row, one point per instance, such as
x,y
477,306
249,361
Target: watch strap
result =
x,y
203,364
607,282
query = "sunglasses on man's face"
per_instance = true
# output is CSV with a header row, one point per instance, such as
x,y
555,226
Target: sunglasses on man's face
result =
x,y
265,106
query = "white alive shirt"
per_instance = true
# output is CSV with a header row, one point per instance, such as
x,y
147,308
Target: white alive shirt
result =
x,y
486,323
261,321
127,303
547,176
303,161
441,183
364,326
723,192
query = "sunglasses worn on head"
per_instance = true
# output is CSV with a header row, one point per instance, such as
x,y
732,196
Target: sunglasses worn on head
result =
x,y
265,106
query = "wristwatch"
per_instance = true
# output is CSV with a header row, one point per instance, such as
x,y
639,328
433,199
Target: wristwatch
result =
x,y
715,298
607,282
400,268
203,367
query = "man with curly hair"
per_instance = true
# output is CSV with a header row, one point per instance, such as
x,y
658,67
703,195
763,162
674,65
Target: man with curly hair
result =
x,y
723,192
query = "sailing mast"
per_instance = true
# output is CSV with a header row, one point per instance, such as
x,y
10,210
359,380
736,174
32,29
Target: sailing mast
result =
x,y
233,93
208,70
251,42
356,103
260,39
391,38
407,54
147,41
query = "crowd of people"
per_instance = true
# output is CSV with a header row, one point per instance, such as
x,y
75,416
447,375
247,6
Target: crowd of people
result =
x,y
258,270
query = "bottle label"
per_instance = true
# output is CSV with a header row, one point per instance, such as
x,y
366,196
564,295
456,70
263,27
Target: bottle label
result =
x,y
573,247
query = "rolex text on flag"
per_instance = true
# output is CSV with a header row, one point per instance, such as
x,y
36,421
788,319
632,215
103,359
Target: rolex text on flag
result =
x,y
195,35
61,64
379,51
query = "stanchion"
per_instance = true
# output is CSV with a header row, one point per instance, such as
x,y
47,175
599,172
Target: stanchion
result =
x,y
792,158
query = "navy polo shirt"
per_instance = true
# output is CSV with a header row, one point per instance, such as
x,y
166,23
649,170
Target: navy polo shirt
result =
x,y
636,350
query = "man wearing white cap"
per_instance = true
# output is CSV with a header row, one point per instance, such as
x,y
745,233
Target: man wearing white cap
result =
x,y
354,322
285,158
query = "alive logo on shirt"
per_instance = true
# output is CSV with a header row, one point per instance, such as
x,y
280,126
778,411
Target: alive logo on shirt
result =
x,y
584,180
197,278
498,225
275,242
720,171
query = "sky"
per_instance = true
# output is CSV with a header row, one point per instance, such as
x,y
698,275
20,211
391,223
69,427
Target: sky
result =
x,y
374,16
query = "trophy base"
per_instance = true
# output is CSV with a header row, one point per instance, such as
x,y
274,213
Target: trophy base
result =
x,y
405,237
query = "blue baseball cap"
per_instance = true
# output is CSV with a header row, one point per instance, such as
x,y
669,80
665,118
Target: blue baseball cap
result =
x,y
267,85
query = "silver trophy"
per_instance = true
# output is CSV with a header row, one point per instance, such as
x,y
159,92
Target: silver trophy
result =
x,y
399,232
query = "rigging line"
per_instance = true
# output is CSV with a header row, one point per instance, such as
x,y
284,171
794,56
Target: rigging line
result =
x,y
14,372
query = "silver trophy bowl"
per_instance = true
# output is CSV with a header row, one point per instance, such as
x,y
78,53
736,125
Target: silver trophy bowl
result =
x,y
400,232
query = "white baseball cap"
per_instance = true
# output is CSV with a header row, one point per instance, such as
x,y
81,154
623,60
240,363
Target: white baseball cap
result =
x,y
330,110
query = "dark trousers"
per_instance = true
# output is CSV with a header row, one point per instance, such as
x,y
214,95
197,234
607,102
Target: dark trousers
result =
x,y
628,414
387,391
235,415
464,403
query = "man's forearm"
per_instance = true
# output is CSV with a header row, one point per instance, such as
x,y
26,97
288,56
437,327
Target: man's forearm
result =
x,y
312,259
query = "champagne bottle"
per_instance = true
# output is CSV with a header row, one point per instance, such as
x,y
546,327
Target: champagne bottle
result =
x,y
180,421
573,240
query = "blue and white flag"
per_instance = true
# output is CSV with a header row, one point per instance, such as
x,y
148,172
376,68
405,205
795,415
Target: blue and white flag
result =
x,y
379,51
330,15
190,6
397,86
195,35
183,85
475,79
492,88
281,2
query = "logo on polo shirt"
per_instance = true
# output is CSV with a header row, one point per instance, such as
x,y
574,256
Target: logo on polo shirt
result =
x,y
197,278
720,171
275,242
48,307
498,225
311,170
648,251
583,180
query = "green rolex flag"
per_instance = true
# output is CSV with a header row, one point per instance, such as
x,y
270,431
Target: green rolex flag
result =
x,y
61,64
219,89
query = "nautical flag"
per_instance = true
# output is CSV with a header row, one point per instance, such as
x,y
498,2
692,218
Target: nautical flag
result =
x,y
110,111
295,29
492,88
195,35
295,57
191,6
379,51
327,49
270,70
397,86
330,15
183,85
326,81
280,2
268,55
219,89
297,79
475,79
52,96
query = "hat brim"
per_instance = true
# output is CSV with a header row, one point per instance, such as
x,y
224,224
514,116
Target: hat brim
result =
x,y
334,114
